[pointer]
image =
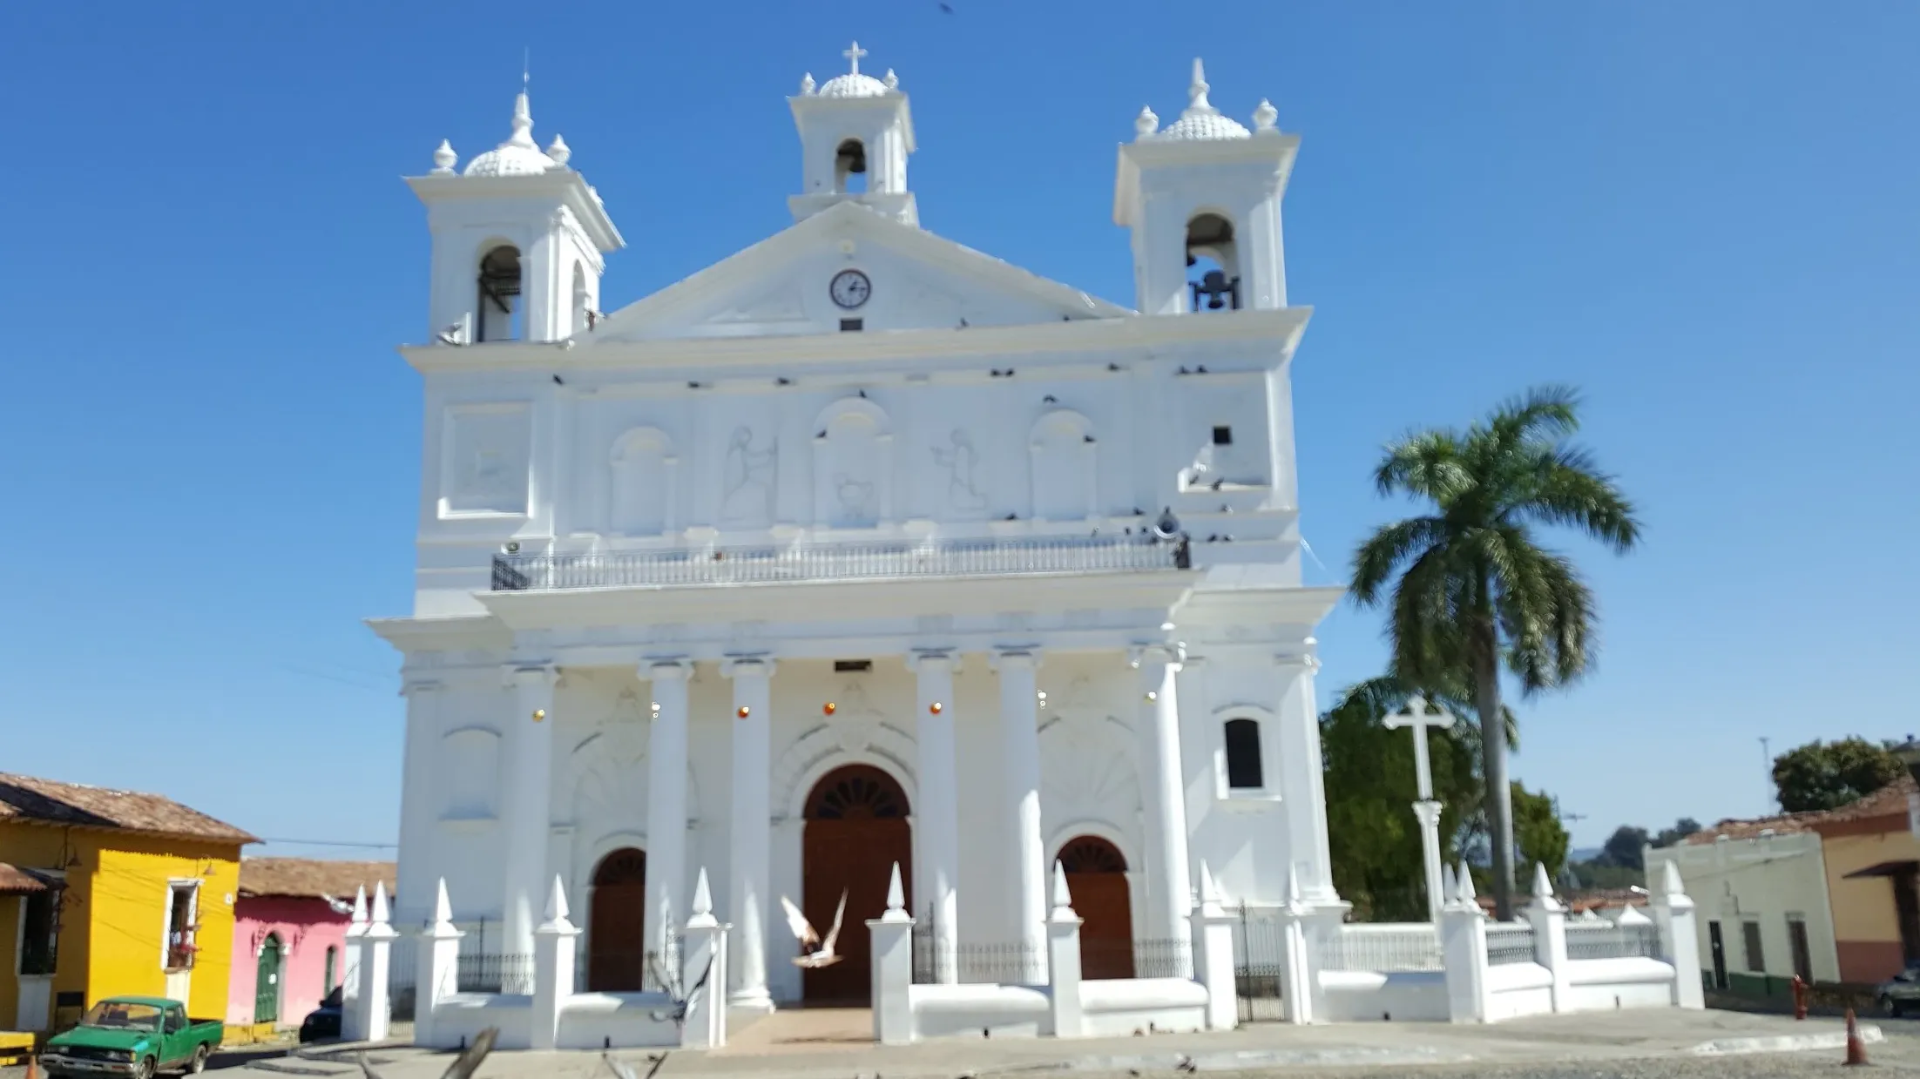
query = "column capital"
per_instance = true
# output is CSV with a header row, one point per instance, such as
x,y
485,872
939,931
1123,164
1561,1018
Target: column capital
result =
x,y
534,674
665,669
748,666
922,659
1427,812
1305,660
1142,654
1017,657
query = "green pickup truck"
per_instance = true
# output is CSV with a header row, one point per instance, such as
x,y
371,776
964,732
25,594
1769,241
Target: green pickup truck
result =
x,y
136,1036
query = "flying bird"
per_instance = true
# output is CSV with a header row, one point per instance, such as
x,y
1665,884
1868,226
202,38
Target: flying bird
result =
x,y
824,955
947,8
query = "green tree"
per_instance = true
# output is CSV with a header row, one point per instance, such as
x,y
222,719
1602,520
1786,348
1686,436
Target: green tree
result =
x,y
1537,828
1827,775
1626,847
1467,586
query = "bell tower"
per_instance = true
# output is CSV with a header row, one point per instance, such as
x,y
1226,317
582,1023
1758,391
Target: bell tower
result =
x,y
1202,199
855,134
519,241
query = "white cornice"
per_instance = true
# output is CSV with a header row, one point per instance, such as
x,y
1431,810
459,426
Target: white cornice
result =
x,y
1282,327
563,185
442,634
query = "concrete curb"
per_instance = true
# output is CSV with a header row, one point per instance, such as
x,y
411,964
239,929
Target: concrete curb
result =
x,y
1787,1043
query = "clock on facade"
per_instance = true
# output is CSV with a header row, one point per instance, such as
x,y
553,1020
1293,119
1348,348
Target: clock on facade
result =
x,y
850,289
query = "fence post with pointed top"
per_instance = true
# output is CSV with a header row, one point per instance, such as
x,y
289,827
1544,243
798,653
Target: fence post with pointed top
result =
x,y
1463,950
703,972
553,957
350,971
892,967
1679,938
1063,960
436,968
1549,919
1213,954
370,1010
1298,980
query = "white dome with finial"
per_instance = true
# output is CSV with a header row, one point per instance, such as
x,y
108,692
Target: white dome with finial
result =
x,y
853,83
1201,120
518,156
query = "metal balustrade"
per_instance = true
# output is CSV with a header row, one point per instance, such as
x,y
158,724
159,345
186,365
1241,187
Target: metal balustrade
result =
x,y
871,560
1414,946
1509,943
1604,940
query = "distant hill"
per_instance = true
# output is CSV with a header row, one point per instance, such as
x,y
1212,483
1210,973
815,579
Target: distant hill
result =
x,y
1584,854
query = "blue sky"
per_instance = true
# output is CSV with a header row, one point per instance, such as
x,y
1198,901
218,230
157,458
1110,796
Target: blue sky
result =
x,y
1704,215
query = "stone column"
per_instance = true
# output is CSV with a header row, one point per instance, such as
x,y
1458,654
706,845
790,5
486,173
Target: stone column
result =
x,y
666,804
892,967
416,798
751,831
937,817
1020,765
1063,960
436,970
555,943
1301,778
1170,882
525,817
1429,814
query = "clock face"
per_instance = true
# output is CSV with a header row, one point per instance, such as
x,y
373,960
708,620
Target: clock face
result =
x,y
850,289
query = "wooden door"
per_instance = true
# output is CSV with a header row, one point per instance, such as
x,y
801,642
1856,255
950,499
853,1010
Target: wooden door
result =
x,y
617,925
856,832
266,982
1097,881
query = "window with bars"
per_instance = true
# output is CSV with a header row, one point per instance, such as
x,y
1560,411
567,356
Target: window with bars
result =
x,y
1756,956
1245,770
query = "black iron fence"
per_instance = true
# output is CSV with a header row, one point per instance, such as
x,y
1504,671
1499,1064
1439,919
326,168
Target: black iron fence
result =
x,y
1257,946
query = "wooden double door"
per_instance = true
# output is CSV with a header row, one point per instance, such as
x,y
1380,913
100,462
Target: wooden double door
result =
x,y
1097,880
856,830
617,924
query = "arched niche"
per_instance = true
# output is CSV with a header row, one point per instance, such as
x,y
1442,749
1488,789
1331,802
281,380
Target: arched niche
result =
x,y
471,759
1062,447
853,464
641,478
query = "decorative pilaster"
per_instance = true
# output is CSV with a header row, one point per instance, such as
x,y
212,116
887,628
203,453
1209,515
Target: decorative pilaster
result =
x,y
1549,920
892,967
417,796
555,944
666,802
1301,775
372,1013
750,832
1020,765
1170,883
1063,960
703,973
436,969
526,814
938,814
1213,955
1679,938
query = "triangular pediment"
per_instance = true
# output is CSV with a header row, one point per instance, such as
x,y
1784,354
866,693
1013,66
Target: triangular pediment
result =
x,y
913,280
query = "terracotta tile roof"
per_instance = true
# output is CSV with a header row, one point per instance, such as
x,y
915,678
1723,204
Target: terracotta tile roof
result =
x,y
311,877
17,881
1889,799
48,801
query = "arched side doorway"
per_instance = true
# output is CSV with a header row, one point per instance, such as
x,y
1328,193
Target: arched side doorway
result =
x,y
616,925
266,981
856,830
1097,880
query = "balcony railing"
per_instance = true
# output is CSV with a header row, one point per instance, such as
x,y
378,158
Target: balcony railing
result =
x,y
869,561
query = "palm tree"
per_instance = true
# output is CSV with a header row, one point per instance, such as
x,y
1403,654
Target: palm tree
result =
x,y
1471,589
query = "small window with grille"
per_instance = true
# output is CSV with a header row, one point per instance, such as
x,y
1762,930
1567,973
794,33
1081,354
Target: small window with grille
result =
x,y
1245,769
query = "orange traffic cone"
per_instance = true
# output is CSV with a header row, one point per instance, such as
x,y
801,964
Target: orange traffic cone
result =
x,y
1856,1049
33,1066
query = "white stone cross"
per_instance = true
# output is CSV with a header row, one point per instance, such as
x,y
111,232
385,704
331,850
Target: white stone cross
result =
x,y
1417,717
853,55
1426,809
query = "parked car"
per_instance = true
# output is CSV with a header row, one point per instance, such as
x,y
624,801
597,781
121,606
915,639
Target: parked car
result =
x,y
322,1023
133,1036
1900,994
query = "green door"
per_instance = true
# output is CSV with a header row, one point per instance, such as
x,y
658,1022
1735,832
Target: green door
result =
x,y
266,985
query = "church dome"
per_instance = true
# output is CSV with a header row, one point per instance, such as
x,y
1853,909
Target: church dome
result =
x,y
518,156
1200,120
853,84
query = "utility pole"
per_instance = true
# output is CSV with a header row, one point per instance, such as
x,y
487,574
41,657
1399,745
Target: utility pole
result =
x,y
1766,762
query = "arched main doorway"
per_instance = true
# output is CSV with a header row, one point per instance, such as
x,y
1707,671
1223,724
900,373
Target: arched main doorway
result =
x,y
616,926
266,981
1097,880
856,831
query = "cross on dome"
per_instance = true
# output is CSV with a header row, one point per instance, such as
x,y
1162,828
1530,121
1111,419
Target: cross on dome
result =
x,y
853,56
854,83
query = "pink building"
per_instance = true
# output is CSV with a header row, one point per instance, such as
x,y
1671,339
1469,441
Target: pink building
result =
x,y
289,934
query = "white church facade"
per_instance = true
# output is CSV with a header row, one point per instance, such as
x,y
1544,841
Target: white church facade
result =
x,y
860,547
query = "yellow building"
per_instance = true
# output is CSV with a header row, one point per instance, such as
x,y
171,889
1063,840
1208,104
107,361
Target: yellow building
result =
x,y
106,892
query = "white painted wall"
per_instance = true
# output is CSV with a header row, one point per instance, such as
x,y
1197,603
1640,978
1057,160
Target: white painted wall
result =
x,y
1762,880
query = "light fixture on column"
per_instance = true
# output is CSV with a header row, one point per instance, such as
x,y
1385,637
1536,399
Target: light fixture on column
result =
x,y
829,708
742,711
1152,696
539,714
934,708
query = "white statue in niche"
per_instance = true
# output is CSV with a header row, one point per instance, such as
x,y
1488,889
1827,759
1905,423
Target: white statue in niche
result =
x,y
856,497
960,463
749,480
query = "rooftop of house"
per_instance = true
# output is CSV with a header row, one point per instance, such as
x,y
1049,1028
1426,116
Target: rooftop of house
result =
x,y
311,878
29,799
17,881
1890,799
